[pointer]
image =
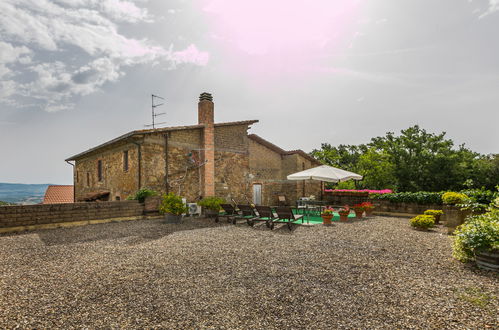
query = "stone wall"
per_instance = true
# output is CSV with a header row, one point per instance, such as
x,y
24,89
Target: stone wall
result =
x,y
115,179
270,169
35,215
185,163
232,162
153,162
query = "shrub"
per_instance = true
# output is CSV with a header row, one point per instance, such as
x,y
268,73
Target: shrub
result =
x,y
481,196
423,221
211,203
345,210
358,207
420,197
172,204
367,205
433,212
480,232
141,194
453,198
327,211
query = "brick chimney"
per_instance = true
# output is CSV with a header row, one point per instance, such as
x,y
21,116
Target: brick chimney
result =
x,y
206,117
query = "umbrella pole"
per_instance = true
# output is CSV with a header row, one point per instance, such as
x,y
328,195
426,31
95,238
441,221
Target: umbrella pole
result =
x,y
322,188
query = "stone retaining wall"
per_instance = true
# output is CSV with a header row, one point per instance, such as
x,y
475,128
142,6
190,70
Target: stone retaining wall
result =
x,y
33,215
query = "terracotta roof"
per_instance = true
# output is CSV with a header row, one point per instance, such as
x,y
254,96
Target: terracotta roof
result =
x,y
59,195
281,151
157,130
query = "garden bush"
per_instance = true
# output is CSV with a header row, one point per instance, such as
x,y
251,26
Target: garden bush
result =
x,y
480,232
423,221
172,204
481,196
420,197
433,212
211,203
453,198
141,194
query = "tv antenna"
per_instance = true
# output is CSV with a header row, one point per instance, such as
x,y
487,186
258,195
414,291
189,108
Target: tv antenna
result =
x,y
153,110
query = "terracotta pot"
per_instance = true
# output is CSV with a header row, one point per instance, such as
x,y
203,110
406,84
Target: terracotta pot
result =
x,y
369,212
326,219
344,217
358,214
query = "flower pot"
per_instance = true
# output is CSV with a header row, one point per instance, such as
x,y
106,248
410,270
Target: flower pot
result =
x,y
437,219
344,217
172,218
358,214
369,212
488,260
326,219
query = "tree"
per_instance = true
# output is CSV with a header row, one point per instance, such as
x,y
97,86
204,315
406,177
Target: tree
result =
x,y
377,169
415,160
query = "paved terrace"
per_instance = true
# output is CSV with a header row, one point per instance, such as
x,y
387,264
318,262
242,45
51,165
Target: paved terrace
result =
x,y
376,273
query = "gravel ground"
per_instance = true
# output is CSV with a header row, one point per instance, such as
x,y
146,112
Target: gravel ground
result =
x,y
376,273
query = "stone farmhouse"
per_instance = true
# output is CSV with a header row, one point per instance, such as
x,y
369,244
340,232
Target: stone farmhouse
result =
x,y
207,159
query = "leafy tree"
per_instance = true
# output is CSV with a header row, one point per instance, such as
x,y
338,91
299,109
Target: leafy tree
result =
x,y
415,160
377,170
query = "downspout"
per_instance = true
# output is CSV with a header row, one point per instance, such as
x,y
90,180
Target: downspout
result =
x,y
74,185
166,164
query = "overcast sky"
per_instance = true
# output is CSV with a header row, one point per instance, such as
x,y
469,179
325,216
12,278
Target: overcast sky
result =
x,y
76,73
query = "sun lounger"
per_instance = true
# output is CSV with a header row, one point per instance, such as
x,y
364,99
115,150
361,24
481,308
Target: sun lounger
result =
x,y
230,213
247,212
285,215
266,214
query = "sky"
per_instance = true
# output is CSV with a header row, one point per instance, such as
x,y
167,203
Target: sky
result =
x,y
77,73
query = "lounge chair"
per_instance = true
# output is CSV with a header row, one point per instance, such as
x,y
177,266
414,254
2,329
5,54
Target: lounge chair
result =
x,y
266,214
230,213
246,212
282,200
285,215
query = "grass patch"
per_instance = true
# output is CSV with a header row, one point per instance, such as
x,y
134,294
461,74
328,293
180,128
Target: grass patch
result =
x,y
475,296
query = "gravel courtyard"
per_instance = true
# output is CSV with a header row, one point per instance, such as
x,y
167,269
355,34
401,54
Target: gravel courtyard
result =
x,y
375,273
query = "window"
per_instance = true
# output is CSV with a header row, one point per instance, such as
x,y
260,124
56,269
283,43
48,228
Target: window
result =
x,y
88,179
125,160
99,170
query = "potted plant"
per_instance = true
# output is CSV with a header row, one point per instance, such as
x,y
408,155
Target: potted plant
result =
x,y
173,207
478,239
344,212
423,222
436,213
369,208
211,206
327,215
359,210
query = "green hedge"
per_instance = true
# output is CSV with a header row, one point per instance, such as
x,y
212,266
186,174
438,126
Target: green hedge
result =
x,y
420,197
481,196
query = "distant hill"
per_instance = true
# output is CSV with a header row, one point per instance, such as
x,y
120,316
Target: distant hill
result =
x,y
22,193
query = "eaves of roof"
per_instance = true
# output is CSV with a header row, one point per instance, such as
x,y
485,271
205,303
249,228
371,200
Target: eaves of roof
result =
x,y
153,131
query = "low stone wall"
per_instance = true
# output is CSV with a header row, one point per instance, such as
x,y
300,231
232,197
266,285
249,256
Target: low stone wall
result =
x,y
410,209
33,216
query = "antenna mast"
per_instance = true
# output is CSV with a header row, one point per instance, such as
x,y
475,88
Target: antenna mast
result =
x,y
153,110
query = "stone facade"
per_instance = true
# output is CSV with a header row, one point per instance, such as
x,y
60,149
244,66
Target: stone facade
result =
x,y
194,161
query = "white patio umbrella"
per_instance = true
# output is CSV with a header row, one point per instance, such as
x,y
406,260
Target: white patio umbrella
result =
x,y
325,173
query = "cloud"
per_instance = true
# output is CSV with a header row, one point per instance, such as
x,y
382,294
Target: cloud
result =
x,y
54,51
492,8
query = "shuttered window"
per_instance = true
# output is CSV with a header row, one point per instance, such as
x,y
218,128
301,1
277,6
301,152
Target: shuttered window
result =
x,y
99,170
125,160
